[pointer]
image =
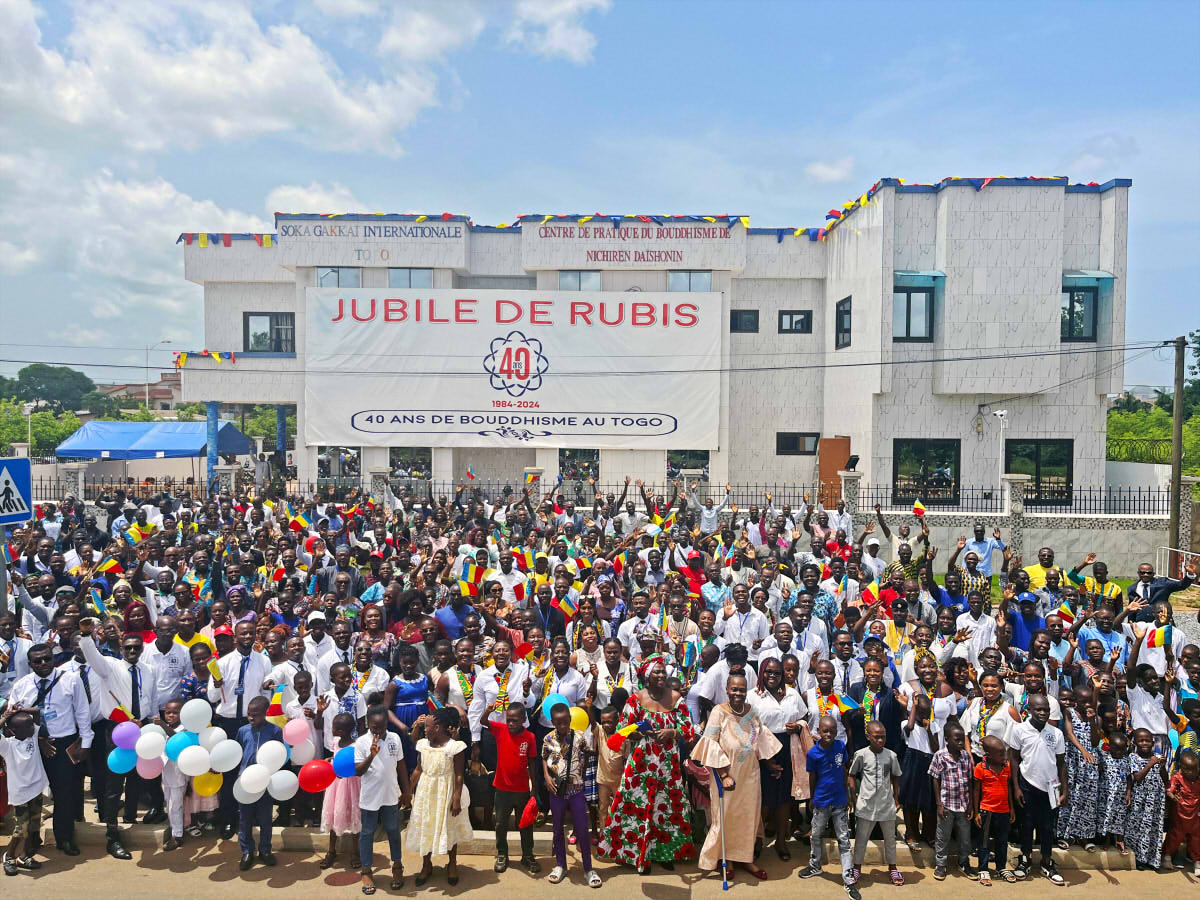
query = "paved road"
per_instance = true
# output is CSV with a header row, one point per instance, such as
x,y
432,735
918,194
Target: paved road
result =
x,y
200,870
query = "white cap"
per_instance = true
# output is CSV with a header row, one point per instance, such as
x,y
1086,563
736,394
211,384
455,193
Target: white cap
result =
x,y
315,616
873,542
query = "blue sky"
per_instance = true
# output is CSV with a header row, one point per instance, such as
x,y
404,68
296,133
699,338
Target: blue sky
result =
x,y
122,124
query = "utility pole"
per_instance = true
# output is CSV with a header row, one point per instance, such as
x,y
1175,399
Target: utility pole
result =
x,y
1177,444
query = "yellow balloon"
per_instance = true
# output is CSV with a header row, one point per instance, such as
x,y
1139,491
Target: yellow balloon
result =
x,y
207,784
579,719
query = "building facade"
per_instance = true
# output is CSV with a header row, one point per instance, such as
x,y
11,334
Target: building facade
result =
x,y
898,334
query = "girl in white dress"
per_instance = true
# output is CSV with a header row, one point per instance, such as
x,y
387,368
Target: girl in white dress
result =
x,y
439,821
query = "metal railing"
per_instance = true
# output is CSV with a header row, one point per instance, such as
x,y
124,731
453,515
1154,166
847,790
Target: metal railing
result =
x,y
947,498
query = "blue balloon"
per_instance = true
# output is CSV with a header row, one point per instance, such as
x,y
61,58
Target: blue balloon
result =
x,y
179,742
343,762
121,760
552,700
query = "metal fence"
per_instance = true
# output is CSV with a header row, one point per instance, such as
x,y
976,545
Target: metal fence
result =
x,y
950,498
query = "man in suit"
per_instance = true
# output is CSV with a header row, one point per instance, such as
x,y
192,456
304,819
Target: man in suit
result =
x,y
1150,589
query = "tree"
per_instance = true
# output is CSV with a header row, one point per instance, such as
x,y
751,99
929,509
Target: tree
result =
x,y
8,388
1130,403
57,387
49,429
101,406
190,412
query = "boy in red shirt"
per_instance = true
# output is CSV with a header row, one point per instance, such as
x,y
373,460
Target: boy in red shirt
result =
x,y
516,759
993,805
1184,789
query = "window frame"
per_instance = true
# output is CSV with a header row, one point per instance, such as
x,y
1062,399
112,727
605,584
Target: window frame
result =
x,y
579,273
907,337
276,324
339,270
800,436
946,498
689,273
409,270
734,316
1094,291
1037,494
846,306
806,320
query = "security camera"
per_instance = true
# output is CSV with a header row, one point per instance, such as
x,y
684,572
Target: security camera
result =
x,y
1000,413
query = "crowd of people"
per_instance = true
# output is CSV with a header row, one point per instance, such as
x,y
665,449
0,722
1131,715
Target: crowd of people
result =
x,y
651,675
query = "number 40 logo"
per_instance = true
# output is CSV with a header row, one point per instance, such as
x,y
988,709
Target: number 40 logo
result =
x,y
515,364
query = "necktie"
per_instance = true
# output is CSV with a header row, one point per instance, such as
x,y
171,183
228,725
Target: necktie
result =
x,y
136,701
346,657
240,689
43,691
8,653
300,667
87,688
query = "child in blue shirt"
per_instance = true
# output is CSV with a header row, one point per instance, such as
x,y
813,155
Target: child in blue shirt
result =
x,y
828,766
252,736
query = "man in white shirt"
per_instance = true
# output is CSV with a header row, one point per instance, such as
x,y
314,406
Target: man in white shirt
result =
x,y
709,516
509,577
871,563
1039,750
840,520
14,654
637,623
66,722
847,671
341,653
740,623
316,643
981,628
170,661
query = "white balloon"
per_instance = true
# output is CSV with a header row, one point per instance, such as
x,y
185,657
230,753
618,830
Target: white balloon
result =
x,y
226,756
303,753
255,778
283,785
272,755
151,728
150,745
241,795
195,715
210,737
193,761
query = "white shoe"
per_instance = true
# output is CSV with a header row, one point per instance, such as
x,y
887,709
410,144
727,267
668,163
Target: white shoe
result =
x,y
593,878
557,874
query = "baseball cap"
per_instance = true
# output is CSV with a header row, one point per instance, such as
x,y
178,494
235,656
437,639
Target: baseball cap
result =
x,y
223,629
1026,597
873,542
315,616
693,554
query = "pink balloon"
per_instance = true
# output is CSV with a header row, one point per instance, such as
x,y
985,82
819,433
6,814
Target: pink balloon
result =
x,y
296,732
150,768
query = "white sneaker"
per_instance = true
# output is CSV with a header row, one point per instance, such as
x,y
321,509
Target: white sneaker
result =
x,y
557,874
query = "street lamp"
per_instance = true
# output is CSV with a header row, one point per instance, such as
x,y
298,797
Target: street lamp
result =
x,y
148,349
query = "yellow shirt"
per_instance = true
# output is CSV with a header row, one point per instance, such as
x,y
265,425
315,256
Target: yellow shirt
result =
x,y
1037,575
197,638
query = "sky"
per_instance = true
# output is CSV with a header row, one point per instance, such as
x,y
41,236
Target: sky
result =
x,y
125,123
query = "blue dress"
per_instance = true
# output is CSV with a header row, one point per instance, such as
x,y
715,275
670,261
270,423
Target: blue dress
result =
x,y
412,701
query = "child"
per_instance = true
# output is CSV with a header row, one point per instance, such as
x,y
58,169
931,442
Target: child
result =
x,y
916,797
1115,788
1039,754
26,782
379,766
303,706
516,757
1185,821
610,764
252,736
950,770
174,782
1146,800
564,756
438,823
829,784
994,807
1079,822
340,698
341,812
877,770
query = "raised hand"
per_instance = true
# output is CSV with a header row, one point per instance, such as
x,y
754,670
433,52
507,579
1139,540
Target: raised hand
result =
x,y
962,542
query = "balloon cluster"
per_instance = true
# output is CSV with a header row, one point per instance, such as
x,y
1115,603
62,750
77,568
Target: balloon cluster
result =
x,y
579,717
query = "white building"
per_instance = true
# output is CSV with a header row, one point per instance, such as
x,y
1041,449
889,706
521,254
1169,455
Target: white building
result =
x,y
893,337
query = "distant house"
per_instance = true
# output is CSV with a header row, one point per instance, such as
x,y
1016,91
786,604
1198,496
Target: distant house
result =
x,y
165,393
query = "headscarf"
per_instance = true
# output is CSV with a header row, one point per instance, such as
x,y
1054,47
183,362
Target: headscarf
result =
x,y
648,661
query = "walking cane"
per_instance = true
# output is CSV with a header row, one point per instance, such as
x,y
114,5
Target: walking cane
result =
x,y
721,825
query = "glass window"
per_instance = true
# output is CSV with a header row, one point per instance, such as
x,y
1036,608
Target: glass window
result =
x,y
926,470
796,443
1079,314
690,461
743,321
579,465
410,278
912,314
689,281
575,280
345,276
269,332
1048,463
795,321
841,324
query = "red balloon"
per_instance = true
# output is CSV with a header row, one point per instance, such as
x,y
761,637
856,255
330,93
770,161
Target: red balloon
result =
x,y
316,775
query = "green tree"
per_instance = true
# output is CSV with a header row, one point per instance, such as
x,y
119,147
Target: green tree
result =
x,y
1129,403
101,406
9,388
57,387
49,429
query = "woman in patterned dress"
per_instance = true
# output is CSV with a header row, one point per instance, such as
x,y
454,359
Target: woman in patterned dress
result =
x,y
1144,824
1079,821
650,817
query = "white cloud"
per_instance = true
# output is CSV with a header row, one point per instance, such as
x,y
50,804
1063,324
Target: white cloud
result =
x,y
553,28
14,259
833,170
316,198
430,31
153,76
346,9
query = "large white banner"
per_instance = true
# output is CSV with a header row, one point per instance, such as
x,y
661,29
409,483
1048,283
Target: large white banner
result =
x,y
494,368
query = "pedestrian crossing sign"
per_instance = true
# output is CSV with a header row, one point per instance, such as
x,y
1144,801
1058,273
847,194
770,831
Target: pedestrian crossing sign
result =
x,y
16,489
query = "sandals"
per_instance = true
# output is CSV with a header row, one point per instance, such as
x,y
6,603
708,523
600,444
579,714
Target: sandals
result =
x,y
897,878
1122,849
368,886
328,861
1062,845
398,876
912,845
985,877
557,874
1089,847
782,852
1008,875
593,878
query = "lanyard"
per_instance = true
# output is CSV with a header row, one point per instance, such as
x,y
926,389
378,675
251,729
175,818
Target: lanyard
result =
x,y
43,696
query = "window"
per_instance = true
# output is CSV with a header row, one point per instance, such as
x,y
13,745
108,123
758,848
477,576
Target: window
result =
x,y
841,324
795,321
343,277
269,332
579,465
575,280
1079,313
689,281
409,278
689,461
1048,463
926,470
743,321
912,314
796,443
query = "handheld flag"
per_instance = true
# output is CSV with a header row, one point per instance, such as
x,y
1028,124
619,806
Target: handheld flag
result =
x,y
565,605
472,573
669,522
468,588
519,592
471,472
9,552
530,477
529,814
275,713
582,562
97,601
691,654
847,704
871,591
1065,613
119,712
918,508
1160,637
524,559
108,564
298,523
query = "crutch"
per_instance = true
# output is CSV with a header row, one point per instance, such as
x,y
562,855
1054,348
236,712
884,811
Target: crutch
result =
x,y
721,826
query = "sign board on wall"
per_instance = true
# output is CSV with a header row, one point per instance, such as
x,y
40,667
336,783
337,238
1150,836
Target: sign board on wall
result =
x,y
494,368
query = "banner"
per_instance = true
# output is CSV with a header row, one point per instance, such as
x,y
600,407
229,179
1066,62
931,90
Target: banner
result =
x,y
496,368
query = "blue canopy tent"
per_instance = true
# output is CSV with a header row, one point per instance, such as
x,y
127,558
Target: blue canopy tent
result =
x,y
151,440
